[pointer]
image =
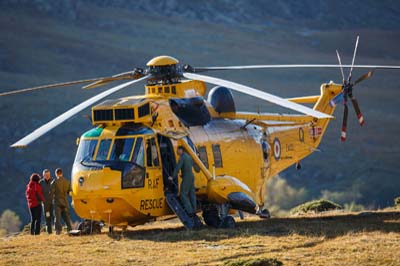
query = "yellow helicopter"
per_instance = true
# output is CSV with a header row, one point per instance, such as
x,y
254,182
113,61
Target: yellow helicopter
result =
x,y
120,174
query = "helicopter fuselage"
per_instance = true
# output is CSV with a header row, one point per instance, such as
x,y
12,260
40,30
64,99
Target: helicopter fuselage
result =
x,y
122,165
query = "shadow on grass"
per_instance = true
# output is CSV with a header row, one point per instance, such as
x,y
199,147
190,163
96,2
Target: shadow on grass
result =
x,y
327,226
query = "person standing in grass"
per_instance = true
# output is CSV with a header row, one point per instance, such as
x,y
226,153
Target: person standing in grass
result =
x,y
46,184
61,188
34,198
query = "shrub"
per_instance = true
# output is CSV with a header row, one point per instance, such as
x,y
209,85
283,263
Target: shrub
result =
x,y
316,206
397,202
255,262
10,222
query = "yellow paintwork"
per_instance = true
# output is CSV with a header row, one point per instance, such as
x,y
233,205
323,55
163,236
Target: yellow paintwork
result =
x,y
185,89
220,187
306,99
242,167
162,60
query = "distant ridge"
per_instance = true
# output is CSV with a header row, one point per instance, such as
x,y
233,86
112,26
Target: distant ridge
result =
x,y
312,14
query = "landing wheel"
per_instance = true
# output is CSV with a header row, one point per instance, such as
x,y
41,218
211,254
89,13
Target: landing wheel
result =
x,y
264,214
197,222
211,216
88,227
229,222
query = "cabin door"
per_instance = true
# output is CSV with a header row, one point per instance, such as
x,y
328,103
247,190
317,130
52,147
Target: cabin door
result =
x,y
167,159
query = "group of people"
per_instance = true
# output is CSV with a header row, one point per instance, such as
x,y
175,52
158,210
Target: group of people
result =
x,y
47,195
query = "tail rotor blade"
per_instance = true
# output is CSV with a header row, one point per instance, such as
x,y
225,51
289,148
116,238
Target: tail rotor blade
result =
x,y
340,64
360,116
344,123
354,58
364,77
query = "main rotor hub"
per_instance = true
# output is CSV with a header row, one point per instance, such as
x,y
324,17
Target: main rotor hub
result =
x,y
164,70
162,60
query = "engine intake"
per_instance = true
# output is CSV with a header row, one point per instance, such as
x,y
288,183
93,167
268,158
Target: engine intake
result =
x,y
221,99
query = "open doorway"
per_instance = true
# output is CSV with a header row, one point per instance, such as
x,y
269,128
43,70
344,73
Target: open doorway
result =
x,y
168,163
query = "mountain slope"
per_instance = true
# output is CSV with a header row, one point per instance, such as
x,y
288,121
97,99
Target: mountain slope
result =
x,y
40,45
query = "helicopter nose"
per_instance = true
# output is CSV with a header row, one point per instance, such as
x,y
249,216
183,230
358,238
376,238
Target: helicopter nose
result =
x,y
241,201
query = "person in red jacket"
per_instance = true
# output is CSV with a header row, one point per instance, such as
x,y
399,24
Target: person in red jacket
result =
x,y
34,197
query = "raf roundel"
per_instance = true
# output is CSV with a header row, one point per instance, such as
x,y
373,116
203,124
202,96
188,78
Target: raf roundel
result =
x,y
277,149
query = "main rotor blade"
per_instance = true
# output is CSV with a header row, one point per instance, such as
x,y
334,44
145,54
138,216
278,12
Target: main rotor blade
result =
x,y
104,81
61,118
51,86
259,94
121,76
364,77
202,69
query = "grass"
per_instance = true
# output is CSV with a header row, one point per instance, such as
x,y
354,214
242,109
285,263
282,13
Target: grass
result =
x,y
327,239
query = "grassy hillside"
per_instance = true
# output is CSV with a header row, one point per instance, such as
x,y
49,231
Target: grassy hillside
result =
x,y
39,47
330,239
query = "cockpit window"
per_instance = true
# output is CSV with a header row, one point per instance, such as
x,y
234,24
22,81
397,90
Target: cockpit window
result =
x,y
138,153
104,147
86,150
121,150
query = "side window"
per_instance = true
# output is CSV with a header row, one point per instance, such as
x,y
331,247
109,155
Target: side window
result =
x,y
203,155
151,153
217,155
104,147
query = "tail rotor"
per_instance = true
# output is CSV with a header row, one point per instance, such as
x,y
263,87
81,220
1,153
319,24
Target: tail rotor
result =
x,y
347,93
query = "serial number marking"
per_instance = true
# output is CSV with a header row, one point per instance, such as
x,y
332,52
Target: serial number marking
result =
x,y
289,147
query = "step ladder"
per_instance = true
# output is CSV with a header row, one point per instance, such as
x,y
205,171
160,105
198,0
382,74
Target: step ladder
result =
x,y
177,208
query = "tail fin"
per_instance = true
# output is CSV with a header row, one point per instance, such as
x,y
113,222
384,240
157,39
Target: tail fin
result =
x,y
324,105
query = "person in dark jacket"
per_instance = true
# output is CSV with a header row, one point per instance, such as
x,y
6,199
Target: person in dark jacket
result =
x,y
187,190
34,197
61,188
46,182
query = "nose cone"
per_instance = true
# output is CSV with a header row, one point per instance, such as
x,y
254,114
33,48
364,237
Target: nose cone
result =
x,y
241,201
162,60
